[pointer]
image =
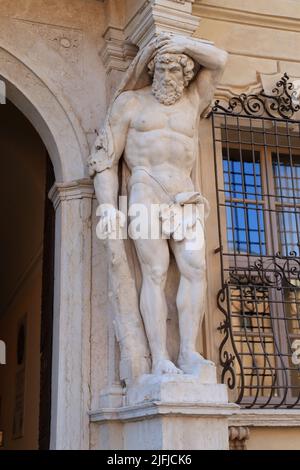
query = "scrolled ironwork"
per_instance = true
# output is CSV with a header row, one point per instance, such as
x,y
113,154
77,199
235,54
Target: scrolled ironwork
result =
x,y
282,103
226,358
276,271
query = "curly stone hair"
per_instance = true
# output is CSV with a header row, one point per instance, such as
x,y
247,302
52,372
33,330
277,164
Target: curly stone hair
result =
x,y
186,62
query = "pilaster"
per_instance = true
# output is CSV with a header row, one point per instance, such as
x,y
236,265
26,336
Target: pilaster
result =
x,y
71,315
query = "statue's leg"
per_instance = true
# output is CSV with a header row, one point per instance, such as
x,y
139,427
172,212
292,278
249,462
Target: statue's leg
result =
x,y
154,257
154,261
190,301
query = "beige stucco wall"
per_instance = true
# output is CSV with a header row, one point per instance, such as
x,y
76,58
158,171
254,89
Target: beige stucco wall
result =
x,y
260,36
277,438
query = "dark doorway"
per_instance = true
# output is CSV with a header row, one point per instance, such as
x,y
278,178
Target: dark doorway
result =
x,y
26,283
47,314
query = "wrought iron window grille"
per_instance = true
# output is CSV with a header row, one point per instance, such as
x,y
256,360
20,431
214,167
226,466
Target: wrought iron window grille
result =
x,y
257,172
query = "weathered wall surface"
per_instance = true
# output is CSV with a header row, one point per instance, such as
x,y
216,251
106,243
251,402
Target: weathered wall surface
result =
x,y
60,42
260,36
276,438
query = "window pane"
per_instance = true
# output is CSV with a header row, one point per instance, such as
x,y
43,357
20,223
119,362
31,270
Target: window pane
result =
x,y
286,171
287,178
242,174
242,185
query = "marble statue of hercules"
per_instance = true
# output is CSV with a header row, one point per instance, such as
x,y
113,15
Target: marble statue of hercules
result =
x,y
154,128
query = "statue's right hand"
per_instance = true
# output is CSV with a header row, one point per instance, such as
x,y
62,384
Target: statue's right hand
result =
x,y
110,223
157,43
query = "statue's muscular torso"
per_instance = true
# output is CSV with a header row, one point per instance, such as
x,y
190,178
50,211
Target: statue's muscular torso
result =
x,y
162,139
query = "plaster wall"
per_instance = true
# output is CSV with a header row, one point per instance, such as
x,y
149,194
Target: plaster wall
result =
x,y
276,438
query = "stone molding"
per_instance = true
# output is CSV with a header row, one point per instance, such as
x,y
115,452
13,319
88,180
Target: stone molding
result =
x,y
266,418
248,18
117,54
161,15
155,408
73,190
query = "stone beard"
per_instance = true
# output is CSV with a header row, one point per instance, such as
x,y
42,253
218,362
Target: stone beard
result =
x,y
168,91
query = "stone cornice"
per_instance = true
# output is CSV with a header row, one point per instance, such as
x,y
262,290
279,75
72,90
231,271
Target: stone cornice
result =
x,y
136,412
116,54
78,189
246,17
156,16
266,418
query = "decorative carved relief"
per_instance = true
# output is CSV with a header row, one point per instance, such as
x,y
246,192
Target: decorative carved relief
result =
x,y
238,435
68,42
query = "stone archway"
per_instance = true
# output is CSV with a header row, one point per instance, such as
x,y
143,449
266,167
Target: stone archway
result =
x,y
72,196
55,121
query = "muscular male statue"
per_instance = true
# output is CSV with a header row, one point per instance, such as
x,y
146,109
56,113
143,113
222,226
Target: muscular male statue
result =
x,y
155,128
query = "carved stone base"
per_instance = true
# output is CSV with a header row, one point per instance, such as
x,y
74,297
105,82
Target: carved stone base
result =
x,y
166,412
177,389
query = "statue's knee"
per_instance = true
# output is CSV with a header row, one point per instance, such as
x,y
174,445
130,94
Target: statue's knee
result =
x,y
158,274
198,273
197,264
196,270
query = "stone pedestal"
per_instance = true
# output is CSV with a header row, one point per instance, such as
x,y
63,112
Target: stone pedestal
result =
x,y
170,412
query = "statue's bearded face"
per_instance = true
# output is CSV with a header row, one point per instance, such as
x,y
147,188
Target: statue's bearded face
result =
x,y
171,74
168,82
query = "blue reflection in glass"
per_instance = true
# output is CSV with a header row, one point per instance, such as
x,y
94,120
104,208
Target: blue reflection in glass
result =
x,y
245,221
286,170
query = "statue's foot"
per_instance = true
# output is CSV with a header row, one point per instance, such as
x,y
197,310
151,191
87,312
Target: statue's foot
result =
x,y
192,362
164,366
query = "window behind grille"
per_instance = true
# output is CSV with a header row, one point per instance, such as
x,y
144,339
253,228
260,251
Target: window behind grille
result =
x,y
258,190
